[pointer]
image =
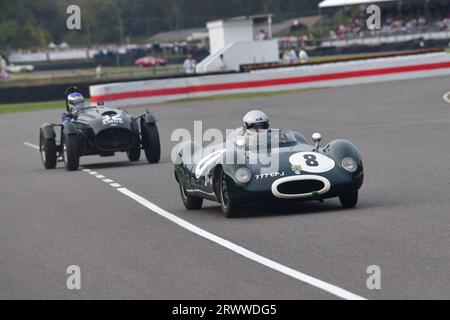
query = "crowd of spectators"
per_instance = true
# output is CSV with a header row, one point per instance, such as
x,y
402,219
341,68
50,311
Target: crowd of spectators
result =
x,y
393,24
291,56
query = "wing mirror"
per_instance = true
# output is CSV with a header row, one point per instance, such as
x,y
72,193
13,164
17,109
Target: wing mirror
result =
x,y
317,137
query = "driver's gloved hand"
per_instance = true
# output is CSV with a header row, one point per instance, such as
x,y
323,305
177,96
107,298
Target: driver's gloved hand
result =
x,y
68,116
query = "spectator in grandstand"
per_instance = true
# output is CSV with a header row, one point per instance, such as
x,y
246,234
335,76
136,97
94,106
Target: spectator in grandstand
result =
x,y
262,35
443,24
189,65
341,31
304,58
286,57
293,57
333,35
303,38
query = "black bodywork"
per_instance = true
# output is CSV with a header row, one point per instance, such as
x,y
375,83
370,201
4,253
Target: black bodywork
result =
x,y
99,130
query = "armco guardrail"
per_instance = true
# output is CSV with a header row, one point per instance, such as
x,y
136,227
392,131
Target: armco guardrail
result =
x,y
325,75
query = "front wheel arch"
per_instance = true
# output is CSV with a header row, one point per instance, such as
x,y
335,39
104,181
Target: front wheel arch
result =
x,y
343,148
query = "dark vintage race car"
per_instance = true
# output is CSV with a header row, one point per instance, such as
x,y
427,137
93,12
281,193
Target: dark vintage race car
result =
x,y
98,130
230,175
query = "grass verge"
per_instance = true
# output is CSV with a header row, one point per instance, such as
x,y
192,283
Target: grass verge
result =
x,y
245,95
59,104
31,106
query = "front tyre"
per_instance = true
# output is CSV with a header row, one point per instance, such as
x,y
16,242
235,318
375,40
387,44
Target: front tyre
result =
x,y
230,207
71,156
349,200
47,147
150,142
190,202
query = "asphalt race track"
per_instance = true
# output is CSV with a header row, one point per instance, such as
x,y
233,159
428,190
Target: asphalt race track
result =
x,y
52,219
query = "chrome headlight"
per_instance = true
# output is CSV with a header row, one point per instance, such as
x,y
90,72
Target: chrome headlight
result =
x,y
349,164
243,175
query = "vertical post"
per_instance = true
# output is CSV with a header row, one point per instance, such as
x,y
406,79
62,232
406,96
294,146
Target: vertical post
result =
x,y
117,58
88,30
345,25
121,28
269,22
320,25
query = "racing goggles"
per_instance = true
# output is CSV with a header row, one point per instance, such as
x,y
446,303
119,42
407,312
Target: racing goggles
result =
x,y
79,103
258,126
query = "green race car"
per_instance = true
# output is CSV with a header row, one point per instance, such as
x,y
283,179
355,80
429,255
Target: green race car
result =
x,y
273,165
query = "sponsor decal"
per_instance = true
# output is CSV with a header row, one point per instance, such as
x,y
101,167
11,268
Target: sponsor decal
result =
x,y
112,120
269,175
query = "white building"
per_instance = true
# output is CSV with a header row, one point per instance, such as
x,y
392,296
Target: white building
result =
x,y
236,40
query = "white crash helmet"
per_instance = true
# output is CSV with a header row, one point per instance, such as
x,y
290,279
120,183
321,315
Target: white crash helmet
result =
x,y
256,120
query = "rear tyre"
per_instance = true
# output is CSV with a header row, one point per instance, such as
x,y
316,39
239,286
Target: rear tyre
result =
x,y
71,156
134,154
150,142
190,202
349,200
47,148
230,207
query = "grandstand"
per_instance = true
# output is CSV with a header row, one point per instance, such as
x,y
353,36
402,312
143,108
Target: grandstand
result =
x,y
343,22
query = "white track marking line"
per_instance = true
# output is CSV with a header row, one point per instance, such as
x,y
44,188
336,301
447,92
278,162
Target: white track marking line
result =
x,y
108,181
93,173
115,185
446,97
339,292
87,170
99,176
31,145
317,283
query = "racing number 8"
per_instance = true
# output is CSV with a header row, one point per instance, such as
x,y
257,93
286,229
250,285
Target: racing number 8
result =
x,y
311,160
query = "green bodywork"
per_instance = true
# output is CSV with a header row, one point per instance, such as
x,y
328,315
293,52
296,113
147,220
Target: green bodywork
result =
x,y
259,188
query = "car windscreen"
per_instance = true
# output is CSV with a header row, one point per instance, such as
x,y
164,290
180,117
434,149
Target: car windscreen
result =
x,y
273,138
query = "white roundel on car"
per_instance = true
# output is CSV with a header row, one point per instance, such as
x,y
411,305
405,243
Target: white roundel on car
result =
x,y
312,162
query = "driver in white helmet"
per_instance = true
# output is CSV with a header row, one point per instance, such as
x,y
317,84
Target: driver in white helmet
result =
x,y
256,131
255,121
